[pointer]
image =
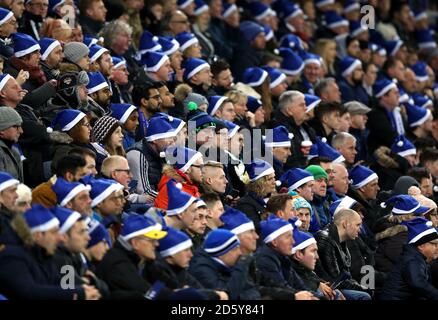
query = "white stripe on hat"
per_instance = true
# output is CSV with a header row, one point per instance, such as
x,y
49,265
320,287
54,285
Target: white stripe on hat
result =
x,y
33,48
396,48
6,18
390,86
258,82
366,181
175,249
127,113
312,60
409,152
233,132
52,223
188,43
222,246
338,24
4,80
419,122
197,69
293,72
217,105
303,245
49,49
8,183
168,134
423,234
71,124
185,4
229,11
120,64
158,65
96,56
105,194
268,171
294,14
71,220
400,211
195,157
323,3
243,228
278,144
155,227
179,210
346,202
301,182
98,87
274,235
73,193
173,49
351,68
277,81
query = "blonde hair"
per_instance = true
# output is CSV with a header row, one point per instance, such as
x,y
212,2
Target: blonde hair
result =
x,y
236,95
57,29
258,186
321,49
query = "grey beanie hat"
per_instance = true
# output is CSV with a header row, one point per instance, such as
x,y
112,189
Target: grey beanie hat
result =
x,y
9,118
196,98
75,51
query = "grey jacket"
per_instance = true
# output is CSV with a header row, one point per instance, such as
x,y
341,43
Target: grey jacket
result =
x,y
10,161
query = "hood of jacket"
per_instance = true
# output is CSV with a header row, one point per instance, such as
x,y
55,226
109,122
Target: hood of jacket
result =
x,y
60,137
391,231
20,226
385,158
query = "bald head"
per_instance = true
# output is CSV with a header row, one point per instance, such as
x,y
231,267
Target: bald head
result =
x,y
112,163
340,179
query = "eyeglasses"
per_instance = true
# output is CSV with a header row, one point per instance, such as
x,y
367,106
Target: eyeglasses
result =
x,y
127,171
17,126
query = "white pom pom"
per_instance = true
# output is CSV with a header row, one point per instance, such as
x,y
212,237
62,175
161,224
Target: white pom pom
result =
x,y
306,143
291,135
429,223
155,38
277,183
298,223
400,144
276,51
170,118
263,138
100,39
324,139
49,130
179,185
162,154
383,205
435,188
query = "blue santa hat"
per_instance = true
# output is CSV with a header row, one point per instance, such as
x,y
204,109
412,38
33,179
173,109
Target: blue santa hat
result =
x,y
420,70
122,111
176,123
348,64
148,42
228,9
160,128
185,40
181,158
422,100
325,150
310,58
311,101
5,15
356,28
269,33
274,227
295,178
334,20
168,45
179,200
232,128
118,62
6,181
279,137
175,241
67,218
96,52
102,189
97,82
89,41
403,147
236,221
200,7
203,120
65,191
66,119
250,30
343,203
254,76
404,97
192,66
321,3
277,77
291,41
350,5
404,204
417,115
292,63
139,225
184,3
219,242
302,240
24,44
382,86
53,4
425,39
259,10
97,233
419,14
289,10
258,169
40,219
392,46
420,231
361,176
153,61
214,103
47,46
253,104
375,48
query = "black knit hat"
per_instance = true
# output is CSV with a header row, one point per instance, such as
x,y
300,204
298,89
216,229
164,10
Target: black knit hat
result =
x,y
103,128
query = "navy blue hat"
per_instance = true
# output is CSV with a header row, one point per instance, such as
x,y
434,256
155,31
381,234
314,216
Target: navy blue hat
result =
x,y
250,30
219,242
179,200
382,86
291,41
258,168
136,225
325,150
102,189
259,10
153,61
392,46
302,240
47,46
97,233
404,204
97,82
348,64
292,63
333,19
175,241
65,191
350,5
228,9
310,58
361,176
343,203
420,231
184,3
176,123
5,15
214,103
53,4
279,137
122,111
232,128
96,52
40,219
269,34
200,7
403,147
274,227
420,70
375,48
311,101
66,119
6,181
254,76
253,104
168,45
277,77
24,44
236,221
422,100
67,218
417,115
295,178
89,41
185,40
356,28
160,128
425,39
148,42
288,10
192,66
181,158
321,3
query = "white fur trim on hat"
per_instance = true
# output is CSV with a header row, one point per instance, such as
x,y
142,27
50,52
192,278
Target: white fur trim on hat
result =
x,y
105,194
178,248
274,235
75,121
96,56
197,69
396,48
399,211
233,132
127,113
243,228
217,105
366,181
312,60
229,11
156,67
390,86
75,216
6,18
303,245
419,122
120,64
346,202
73,193
155,227
277,81
351,68
222,246
323,3
8,183
52,223
21,53
185,4
312,106
4,81
340,23
177,211
188,43
299,183
98,87
423,234
260,81
264,173
409,152
49,49
278,144
294,14
163,135
195,157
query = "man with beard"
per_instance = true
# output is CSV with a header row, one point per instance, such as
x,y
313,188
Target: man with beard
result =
x,y
51,57
148,100
99,94
351,82
167,98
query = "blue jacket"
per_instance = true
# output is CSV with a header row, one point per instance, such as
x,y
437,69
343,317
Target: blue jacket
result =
x,y
410,278
351,93
128,139
321,216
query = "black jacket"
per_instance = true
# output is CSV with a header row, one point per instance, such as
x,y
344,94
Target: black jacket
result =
x,y
410,279
251,205
31,25
381,131
90,27
390,247
7,233
309,277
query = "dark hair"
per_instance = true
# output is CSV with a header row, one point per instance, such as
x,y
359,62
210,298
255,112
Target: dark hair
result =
x,y
327,107
69,163
318,160
277,202
218,66
82,152
83,5
428,155
423,143
210,197
389,63
419,173
142,91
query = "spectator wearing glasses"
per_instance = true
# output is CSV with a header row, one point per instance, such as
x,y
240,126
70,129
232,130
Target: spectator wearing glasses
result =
x,y
8,26
34,14
10,131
